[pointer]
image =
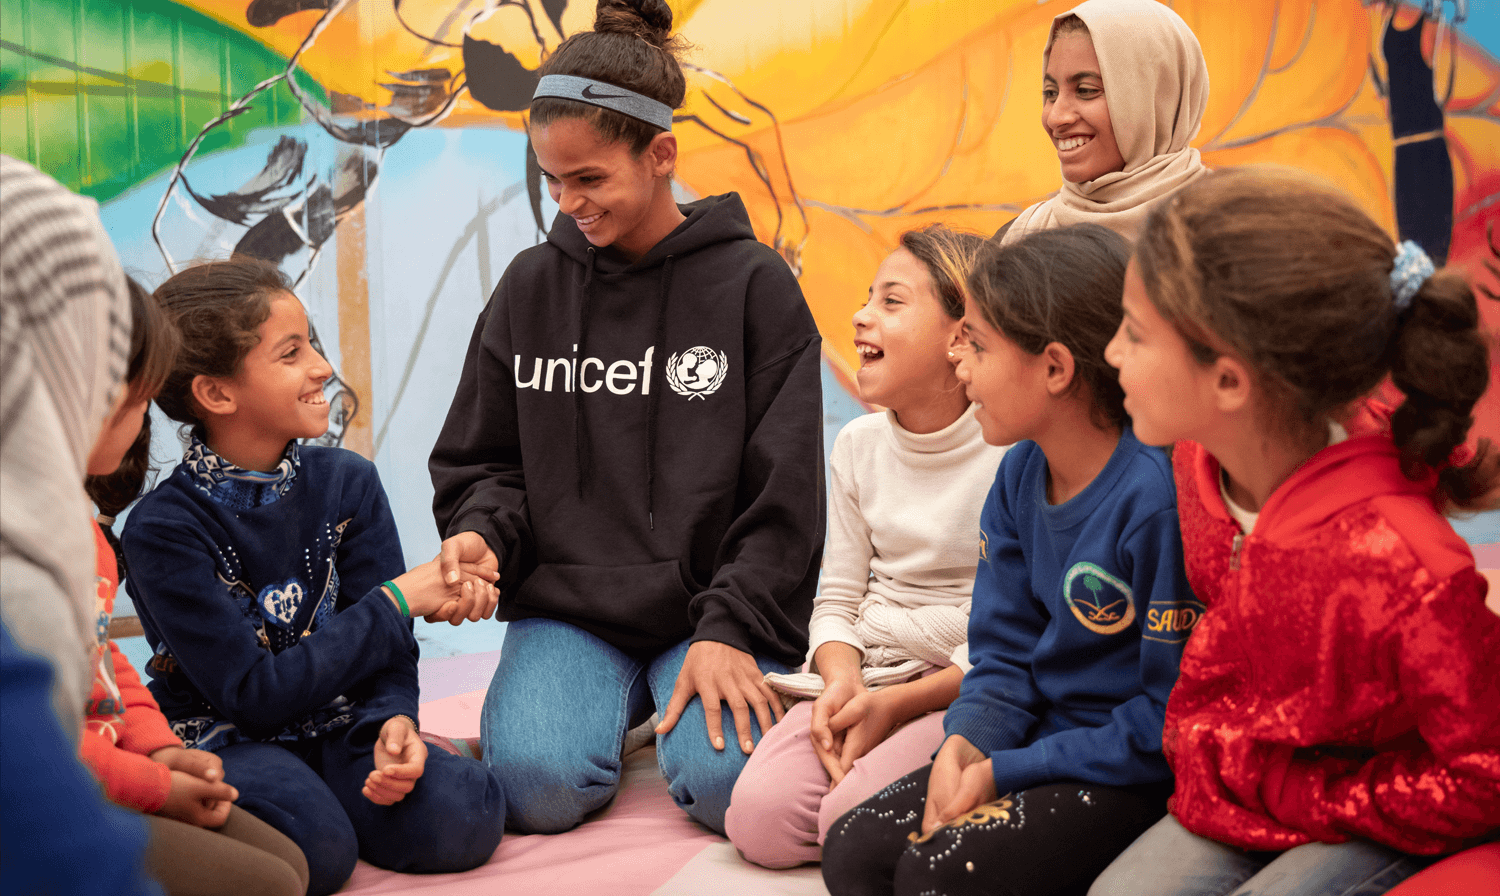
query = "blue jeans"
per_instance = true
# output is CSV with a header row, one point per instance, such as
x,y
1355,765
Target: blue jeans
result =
x,y
1170,860
555,718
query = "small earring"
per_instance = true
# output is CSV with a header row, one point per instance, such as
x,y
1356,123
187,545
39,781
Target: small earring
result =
x,y
951,355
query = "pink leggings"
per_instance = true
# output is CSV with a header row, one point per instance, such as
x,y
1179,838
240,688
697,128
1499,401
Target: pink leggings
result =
x,y
782,807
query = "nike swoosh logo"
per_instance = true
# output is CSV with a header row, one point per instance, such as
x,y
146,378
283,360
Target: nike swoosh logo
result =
x,y
589,94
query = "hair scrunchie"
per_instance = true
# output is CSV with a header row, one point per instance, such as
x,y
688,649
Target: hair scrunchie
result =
x,y
1412,268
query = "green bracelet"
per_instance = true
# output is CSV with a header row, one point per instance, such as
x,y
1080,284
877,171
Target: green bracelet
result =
x,y
400,598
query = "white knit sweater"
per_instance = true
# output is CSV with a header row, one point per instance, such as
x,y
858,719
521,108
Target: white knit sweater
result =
x,y
903,541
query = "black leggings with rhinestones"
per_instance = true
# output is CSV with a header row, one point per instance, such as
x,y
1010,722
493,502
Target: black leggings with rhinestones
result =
x,y
1046,841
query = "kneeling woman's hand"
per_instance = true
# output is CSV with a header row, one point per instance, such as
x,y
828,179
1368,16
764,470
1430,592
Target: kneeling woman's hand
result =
x,y
962,780
400,758
720,673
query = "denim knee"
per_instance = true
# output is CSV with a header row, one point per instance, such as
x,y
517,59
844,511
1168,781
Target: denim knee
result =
x,y
548,791
701,780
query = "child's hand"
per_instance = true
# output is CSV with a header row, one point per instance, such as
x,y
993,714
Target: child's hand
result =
x,y
426,594
475,599
718,672
197,802
471,568
863,723
827,740
198,763
962,779
400,758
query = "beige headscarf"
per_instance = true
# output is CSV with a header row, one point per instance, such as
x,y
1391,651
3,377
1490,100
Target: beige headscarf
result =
x,y
1156,85
64,345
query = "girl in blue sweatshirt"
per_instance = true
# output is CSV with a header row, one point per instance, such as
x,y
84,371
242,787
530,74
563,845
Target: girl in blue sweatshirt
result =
x,y
1052,763
269,580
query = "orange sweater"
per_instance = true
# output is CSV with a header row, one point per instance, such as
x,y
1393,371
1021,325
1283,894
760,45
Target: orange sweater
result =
x,y
122,724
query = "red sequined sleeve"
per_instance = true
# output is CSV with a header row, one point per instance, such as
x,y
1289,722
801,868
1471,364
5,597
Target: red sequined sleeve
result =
x,y
1427,794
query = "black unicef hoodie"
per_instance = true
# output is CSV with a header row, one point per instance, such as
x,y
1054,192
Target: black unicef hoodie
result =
x,y
641,443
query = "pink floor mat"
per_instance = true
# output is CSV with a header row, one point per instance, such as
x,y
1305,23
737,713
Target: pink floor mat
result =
x,y
641,844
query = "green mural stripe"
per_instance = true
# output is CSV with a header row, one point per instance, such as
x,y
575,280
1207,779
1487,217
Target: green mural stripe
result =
x,y
123,87
106,96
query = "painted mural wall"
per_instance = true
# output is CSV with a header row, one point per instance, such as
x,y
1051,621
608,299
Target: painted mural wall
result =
x,y
375,148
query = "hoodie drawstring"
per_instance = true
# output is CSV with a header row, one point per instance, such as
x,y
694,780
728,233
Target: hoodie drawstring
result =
x,y
580,424
652,405
657,374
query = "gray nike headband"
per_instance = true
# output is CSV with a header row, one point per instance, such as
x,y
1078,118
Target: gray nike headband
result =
x,y
606,96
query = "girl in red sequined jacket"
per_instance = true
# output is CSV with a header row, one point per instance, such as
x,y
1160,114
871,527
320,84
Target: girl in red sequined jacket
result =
x,y
1337,716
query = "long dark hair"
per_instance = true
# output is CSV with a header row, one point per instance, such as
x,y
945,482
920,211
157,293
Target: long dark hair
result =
x,y
154,345
218,306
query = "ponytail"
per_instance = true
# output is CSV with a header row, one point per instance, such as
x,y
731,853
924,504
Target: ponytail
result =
x,y
1440,362
1295,279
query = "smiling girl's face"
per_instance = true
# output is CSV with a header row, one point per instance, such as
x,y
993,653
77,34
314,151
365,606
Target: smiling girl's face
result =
x,y
278,388
1008,386
903,335
1168,394
1074,112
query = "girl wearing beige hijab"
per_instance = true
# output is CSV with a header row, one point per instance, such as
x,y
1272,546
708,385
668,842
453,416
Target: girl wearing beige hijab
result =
x,y
1123,153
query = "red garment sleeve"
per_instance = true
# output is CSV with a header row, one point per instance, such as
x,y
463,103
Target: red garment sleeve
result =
x,y
146,729
1435,792
130,778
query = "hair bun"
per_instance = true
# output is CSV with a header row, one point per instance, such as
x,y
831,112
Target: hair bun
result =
x,y
650,20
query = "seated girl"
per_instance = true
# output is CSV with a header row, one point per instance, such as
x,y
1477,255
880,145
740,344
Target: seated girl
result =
x,y
1052,762
1122,153
200,842
269,580
889,626
1338,714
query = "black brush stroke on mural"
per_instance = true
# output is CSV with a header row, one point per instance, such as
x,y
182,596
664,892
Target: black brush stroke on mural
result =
x,y
554,10
418,93
273,238
263,13
264,193
497,79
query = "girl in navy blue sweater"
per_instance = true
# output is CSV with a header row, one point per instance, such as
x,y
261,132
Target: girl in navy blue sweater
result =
x,y
270,582
1052,763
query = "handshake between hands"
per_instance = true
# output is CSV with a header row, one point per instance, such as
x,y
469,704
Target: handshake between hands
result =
x,y
457,584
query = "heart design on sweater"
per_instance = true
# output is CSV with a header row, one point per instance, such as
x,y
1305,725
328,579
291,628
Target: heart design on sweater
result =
x,y
280,603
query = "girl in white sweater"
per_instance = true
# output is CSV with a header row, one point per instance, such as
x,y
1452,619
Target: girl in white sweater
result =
x,y
889,630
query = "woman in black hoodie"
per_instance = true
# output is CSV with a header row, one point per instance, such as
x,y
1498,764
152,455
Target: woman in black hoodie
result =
x,y
636,443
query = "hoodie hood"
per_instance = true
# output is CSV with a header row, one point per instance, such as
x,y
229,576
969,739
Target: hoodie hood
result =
x,y
711,220
1362,468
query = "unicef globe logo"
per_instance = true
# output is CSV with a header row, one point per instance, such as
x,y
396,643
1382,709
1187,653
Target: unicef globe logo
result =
x,y
697,372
